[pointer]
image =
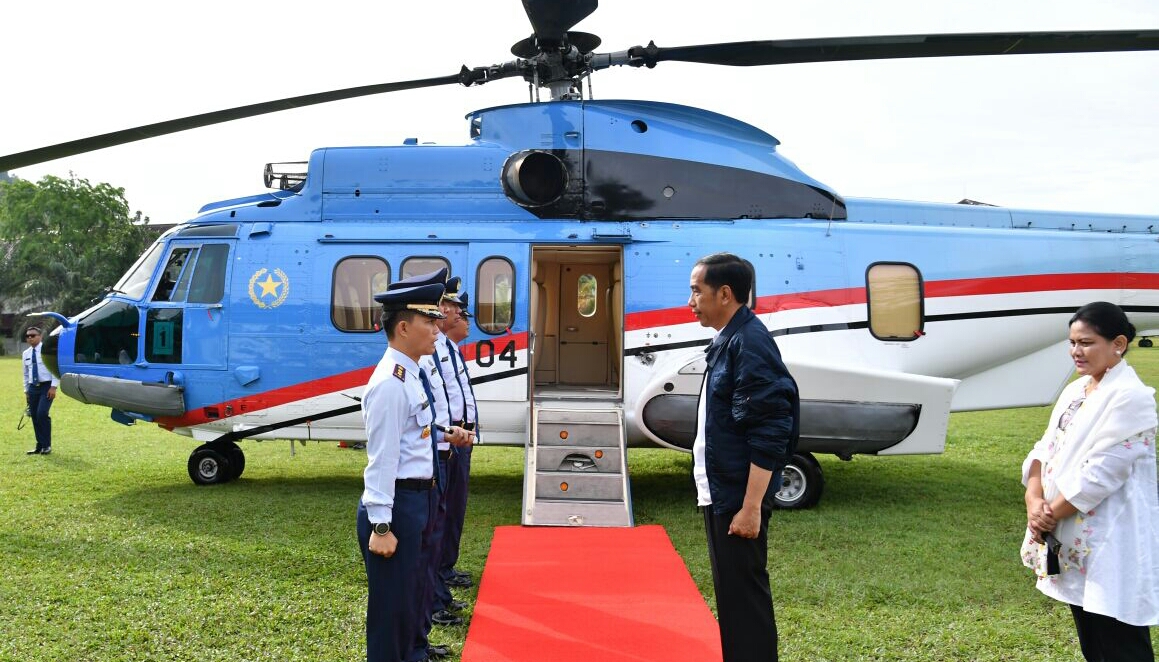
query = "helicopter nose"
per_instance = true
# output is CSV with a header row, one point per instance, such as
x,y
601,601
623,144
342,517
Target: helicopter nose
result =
x,y
48,349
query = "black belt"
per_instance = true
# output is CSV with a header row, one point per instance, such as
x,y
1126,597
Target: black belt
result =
x,y
415,484
445,455
470,427
43,383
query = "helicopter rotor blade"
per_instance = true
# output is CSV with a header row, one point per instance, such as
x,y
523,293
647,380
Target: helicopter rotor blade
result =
x,y
551,19
835,49
61,150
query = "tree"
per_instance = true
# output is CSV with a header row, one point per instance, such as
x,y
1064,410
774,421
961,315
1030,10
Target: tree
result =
x,y
67,241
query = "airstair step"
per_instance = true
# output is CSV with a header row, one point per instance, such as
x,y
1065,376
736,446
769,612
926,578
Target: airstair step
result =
x,y
579,513
576,472
566,416
579,459
578,434
578,486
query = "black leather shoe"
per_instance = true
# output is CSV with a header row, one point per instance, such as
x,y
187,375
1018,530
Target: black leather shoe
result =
x,y
456,606
444,617
46,451
34,451
459,581
436,651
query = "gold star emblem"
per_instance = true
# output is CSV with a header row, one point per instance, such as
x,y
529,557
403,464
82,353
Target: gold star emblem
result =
x,y
269,286
276,286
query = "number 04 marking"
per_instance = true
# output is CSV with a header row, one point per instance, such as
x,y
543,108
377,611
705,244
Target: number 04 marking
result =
x,y
485,353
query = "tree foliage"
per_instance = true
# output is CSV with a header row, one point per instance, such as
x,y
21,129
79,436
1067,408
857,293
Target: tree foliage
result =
x,y
65,242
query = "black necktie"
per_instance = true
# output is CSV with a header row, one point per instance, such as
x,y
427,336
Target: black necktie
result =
x,y
446,395
35,368
439,471
467,374
454,351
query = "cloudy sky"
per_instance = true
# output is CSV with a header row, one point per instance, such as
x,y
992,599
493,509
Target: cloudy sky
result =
x,y
1076,132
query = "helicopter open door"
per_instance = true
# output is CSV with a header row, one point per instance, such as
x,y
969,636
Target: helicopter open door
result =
x,y
578,321
576,462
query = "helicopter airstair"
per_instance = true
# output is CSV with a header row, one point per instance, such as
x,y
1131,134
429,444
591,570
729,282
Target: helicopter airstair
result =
x,y
576,468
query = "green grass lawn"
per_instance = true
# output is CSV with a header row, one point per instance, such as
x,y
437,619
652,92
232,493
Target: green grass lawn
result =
x,y
109,552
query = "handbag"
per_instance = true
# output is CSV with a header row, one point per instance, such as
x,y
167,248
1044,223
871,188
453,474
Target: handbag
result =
x,y
1041,557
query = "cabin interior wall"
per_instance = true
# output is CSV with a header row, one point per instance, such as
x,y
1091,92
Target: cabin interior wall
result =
x,y
547,323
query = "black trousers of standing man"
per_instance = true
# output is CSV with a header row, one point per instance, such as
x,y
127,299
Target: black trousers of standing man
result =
x,y
744,603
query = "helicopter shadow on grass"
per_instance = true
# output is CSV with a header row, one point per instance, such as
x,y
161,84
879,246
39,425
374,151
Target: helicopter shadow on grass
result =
x,y
865,483
295,507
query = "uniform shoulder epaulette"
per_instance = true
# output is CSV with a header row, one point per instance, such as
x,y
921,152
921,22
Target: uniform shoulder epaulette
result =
x,y
400,372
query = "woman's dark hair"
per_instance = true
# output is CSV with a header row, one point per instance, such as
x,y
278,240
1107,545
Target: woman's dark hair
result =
x,y
1106,319
722,269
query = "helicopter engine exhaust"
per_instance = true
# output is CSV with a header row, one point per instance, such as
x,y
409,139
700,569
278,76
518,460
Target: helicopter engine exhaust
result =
x,y
534,178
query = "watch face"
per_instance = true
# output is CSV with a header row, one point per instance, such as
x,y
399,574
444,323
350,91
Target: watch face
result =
x,y
382,528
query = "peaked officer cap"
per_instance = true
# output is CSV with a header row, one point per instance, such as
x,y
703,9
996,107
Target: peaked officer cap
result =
x,y
435,277
464,305
423,299
454,284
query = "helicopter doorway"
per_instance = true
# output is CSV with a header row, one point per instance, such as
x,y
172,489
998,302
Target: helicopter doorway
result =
x,y
575,466
577,319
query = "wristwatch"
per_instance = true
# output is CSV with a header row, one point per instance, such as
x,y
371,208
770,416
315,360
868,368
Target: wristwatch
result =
x,y
382,528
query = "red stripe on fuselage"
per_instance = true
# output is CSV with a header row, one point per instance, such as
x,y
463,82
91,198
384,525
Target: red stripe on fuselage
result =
x,y
683,315
940,288
304,390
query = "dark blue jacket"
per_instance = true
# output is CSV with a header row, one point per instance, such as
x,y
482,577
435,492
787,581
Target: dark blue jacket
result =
x,y
753,410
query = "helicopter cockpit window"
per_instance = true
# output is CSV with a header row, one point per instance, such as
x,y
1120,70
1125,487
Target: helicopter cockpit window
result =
x,y
893,292
208,284
174,268
495,295
108,334
356,280
194,273
134,282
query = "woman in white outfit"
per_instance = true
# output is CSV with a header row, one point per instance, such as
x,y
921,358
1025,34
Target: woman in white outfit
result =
x,y
1091,485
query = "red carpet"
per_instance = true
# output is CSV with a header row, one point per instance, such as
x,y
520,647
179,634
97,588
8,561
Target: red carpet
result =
x,y
551,594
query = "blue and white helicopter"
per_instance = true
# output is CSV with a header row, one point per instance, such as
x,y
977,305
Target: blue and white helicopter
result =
x,y
574,223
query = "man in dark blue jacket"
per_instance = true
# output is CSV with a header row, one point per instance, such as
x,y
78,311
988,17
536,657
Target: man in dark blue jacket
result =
x,y
748,429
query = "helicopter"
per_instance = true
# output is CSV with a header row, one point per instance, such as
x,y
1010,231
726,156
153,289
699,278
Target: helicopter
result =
x,y
574,222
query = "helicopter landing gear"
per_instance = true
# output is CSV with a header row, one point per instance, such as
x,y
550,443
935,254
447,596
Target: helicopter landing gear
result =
x,y
214,463
1145,342
801,483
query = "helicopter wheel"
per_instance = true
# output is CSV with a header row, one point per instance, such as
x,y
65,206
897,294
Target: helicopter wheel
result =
x,y
209,466
236,458
801,483
1145,342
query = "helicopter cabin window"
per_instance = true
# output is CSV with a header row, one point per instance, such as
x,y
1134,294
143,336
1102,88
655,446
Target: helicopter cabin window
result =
x,y
417,266
356,280
586,295
495,295
894,298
